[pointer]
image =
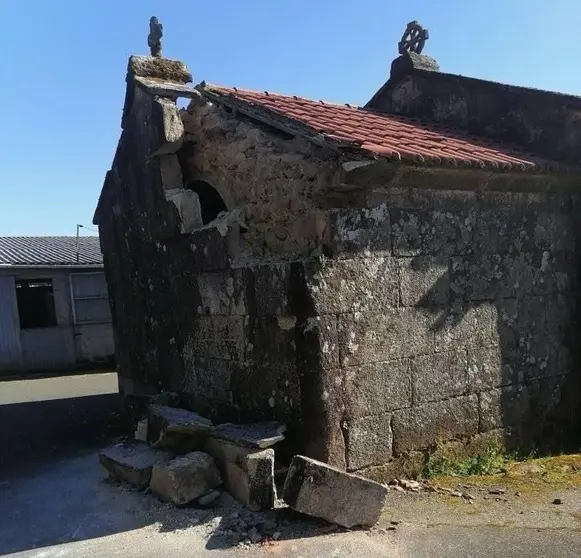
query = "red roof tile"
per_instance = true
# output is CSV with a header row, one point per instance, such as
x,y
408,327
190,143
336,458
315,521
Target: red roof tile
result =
x,y
386,135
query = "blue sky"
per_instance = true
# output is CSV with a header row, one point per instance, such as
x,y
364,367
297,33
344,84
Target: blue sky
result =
x,y
63,71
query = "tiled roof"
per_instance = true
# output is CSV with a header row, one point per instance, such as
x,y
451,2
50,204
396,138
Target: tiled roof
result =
x,y
50,250
384,135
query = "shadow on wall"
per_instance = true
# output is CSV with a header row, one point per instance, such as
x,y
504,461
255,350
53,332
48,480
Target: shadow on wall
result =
x,y
525,373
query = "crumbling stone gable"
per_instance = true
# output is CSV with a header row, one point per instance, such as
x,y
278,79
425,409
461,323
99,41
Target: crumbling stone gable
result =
x,y
375,314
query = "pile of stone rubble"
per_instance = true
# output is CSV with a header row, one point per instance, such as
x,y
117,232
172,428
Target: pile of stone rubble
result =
x,y
182,458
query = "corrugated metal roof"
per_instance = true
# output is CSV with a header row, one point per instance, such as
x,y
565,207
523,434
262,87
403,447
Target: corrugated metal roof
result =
x,y
50,250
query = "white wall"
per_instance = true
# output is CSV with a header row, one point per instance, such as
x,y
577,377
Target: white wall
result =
x,y
58,347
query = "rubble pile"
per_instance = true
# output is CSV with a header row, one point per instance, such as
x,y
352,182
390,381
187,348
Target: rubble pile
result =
x,y
182,458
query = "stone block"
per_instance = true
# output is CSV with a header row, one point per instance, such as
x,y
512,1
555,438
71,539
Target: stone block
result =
x,y
505,408
141,431
259,435
368,441
209,380
208,252
356,231
466,325
158,68
502,228
220,337
222,293
271,290
270,339
317,341
360,284
494,276
248,473
490,276
178,429
424,281
419,427
439,376
377,388
316,489
417,232
132,462
486,369
185,478
267,391
376,337
555,231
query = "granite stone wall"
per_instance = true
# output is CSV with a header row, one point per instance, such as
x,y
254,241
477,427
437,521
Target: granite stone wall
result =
x,y
448,314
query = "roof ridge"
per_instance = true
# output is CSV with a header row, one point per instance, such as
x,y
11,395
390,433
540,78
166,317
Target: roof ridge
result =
x,y
213,86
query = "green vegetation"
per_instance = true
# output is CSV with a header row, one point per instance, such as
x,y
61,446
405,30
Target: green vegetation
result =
x,y
489,462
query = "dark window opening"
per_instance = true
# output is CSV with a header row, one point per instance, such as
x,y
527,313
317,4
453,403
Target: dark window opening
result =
x,y
211,203
35,300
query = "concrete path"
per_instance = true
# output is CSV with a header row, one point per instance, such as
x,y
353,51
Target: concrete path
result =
x,y
56,501
61,387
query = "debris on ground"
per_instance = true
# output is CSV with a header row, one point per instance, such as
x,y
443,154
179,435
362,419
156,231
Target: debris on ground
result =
x,y
185,478
316,489
132,462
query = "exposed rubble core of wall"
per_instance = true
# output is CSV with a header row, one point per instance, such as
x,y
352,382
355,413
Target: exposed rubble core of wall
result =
x,y
375,321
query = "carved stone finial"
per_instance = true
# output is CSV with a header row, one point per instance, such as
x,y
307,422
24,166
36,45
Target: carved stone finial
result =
x,y
413,39
154,37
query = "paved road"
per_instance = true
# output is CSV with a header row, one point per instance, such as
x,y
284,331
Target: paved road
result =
x,y
34,433
55,502
48,389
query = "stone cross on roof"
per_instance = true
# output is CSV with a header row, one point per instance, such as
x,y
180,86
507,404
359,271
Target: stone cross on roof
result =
x,y
413,39
154,37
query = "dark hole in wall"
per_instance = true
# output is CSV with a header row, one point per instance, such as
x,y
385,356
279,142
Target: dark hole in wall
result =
x,y
35,299
211,203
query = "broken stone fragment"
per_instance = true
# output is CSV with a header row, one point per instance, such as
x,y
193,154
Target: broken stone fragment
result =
x,y
177,429
209,498
141,431
248,473
316,489
185,478
132,462
258,435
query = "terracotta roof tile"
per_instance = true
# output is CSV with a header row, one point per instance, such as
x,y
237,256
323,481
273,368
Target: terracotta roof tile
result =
x,y
386,135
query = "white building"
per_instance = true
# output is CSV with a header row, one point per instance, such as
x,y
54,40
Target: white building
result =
x,y
54,304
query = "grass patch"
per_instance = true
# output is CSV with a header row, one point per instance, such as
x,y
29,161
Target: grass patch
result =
x,y
488,462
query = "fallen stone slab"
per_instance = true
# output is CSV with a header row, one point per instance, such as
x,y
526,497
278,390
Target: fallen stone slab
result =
x,y
316,489
132,462
260,435
180,430
185,478
248,473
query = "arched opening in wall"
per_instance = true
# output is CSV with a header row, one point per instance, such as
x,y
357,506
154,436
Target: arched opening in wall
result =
x,y
211,202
